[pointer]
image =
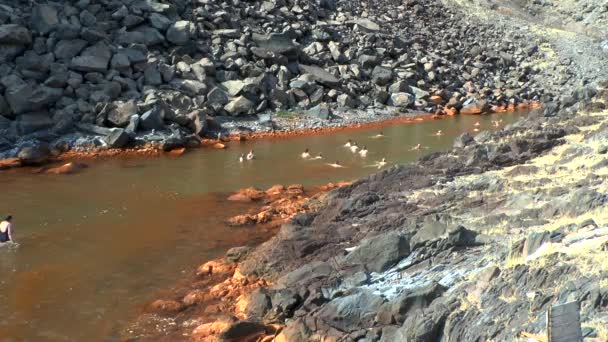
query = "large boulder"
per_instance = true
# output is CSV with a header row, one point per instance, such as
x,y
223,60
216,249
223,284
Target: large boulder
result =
x,y
238,106
44,18
15,34
380,252
320,111
181,32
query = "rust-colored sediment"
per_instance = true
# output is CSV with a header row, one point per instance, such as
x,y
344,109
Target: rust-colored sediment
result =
x,y
218,294
155,151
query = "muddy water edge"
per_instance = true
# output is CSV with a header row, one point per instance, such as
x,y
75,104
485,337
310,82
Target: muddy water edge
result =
x,y
95,246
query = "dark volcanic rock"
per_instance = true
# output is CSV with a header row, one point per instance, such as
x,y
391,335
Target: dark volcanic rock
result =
x,y
380,252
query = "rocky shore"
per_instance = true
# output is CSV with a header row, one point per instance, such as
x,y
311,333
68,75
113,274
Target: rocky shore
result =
x,y
97,74
470,244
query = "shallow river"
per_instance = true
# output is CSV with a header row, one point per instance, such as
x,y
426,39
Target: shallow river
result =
x,y
94,246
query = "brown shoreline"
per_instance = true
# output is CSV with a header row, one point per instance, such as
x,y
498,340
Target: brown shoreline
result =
x,y
215,295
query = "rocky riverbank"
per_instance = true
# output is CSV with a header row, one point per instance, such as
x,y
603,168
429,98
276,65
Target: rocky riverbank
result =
x,y
494,231
97,74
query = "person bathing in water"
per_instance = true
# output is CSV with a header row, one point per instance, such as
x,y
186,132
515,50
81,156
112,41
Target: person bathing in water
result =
x,y
250,155
363,152
6,230
349,143
305,154
378,136
319,156
242,158
336,164
381,163
354,147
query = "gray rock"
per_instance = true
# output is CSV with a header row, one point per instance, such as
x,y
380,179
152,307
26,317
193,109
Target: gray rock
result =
x,y
354,311
152,75
43,96
280,43
87,19
133,124
8,52
152,119
238,106
380,252
121,115
35,62
199,122
382,75
132,20
120,62
93,59
68,49
181,32
415,299
117,138
67,31
5,109
18,97
44,18
366,25
401,100
336,52
159,21
235,254
463,140
15,34
419,93
32,122
319,75
320,111
258,303
242,331
399,87
346,100
217,98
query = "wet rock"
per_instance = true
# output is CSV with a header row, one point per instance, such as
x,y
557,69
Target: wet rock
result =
x,y
167,306
34,155
279,43
380,252
243,331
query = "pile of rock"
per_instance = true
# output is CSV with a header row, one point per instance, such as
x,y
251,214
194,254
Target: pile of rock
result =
x,y
124,68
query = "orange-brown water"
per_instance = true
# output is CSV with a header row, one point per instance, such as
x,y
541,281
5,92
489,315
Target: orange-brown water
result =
x,y
96,245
